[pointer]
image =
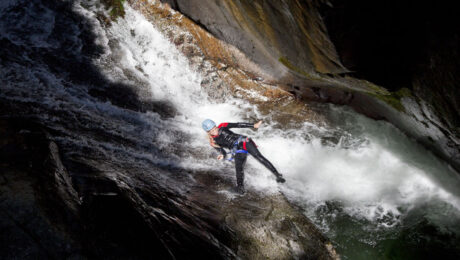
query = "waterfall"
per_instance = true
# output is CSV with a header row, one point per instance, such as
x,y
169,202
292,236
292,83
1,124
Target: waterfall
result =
x,y
361,181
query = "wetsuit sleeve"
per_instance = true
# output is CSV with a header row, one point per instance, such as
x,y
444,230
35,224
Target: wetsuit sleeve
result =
x,y
221,151
236,125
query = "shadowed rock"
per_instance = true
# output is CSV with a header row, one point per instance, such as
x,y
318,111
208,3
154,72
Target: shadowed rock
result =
x,y
43,216
46,213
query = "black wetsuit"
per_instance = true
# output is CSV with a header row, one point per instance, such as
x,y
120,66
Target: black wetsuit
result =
x,y
227,139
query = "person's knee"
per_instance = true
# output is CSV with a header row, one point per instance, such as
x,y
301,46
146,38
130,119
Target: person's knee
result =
x,y
259,157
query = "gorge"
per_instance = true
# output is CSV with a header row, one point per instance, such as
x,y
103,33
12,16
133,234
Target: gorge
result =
x,y
102,154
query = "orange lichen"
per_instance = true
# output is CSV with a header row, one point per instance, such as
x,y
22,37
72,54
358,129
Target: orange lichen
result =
x,y
213,49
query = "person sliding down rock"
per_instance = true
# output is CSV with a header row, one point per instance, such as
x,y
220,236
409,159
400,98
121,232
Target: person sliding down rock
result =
x,y
221,137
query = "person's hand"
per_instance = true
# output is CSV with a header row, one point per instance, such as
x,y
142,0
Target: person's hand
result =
x,y
220,157
257,125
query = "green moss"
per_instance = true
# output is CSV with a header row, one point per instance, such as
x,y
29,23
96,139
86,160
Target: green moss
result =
x,y
403,92
290,66
392,101
391,98
394,98
376,89
116,8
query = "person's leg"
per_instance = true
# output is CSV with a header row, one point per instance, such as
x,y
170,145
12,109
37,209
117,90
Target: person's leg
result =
x,y
240,160
254,151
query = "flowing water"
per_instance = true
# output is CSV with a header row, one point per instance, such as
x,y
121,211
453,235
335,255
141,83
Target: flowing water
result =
x,y
372,190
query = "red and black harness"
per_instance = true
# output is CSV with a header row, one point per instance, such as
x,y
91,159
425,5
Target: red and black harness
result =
x,y
235,149
239,143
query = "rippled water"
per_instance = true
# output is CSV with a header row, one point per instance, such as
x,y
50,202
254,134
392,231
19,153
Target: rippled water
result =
x,y
375,192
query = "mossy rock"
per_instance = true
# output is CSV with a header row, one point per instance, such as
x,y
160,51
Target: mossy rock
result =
x,y
298,70
394,98
391,98
116,8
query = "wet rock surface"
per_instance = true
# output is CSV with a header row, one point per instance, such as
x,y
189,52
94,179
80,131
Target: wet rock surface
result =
x,y
52,211
49,210
38,205
269,32
264,226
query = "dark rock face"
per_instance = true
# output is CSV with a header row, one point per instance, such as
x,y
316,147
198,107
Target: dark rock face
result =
x,y
38,216
43,216
438,82
402,45
271,33
389,42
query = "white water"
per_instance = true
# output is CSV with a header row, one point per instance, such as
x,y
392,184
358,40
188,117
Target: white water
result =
x,y
374,171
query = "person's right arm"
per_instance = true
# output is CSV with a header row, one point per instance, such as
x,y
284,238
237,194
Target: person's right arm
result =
x,y
221,150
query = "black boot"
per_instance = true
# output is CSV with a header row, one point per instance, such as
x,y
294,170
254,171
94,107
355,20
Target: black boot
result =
x,y
240,189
